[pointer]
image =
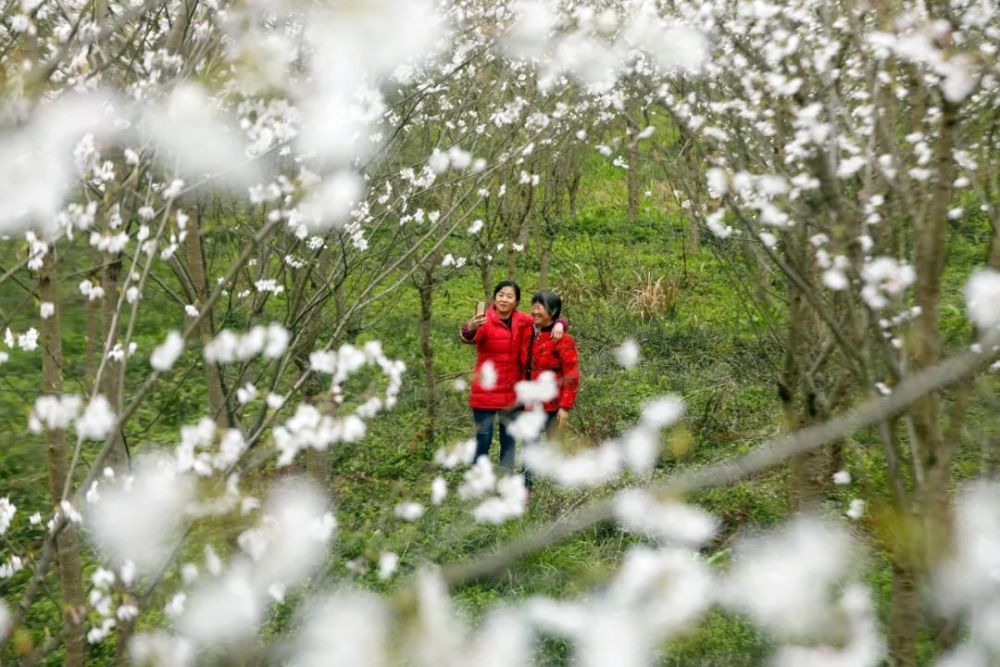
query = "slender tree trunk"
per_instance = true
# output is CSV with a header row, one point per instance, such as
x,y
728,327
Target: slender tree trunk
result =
x,y
572,190
990,447
123,634
318,463
935,452
175,39
806,484
544,261
632,159
990,457
511,261
694,237
92,337
902,548
694,231
486,275
426,290
525,238
206,327
67,544
111,378
353,325
903,615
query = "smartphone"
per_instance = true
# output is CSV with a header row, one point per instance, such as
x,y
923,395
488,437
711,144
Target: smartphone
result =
x,y
480,308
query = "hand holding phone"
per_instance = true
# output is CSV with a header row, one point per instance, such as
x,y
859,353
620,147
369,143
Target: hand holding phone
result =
x,y
479,319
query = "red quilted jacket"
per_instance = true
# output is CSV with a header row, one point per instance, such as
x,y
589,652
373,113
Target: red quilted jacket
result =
x,y
501,345
540,353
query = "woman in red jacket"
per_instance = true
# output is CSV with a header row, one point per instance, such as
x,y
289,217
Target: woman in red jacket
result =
x,y
498,336
542,352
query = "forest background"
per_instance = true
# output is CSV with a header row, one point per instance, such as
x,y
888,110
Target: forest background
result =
x,y
779,215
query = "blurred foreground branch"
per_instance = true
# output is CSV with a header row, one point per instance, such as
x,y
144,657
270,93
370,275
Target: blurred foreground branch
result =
x,y
764,457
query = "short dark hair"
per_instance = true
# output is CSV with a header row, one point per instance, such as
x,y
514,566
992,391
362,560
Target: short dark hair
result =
x,y
508,283
550,301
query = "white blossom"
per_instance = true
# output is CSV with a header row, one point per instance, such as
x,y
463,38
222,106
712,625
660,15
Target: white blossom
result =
x,y
982,298
134,520
246,393
7,511
718,182
856,509
627,354
409,511
167,353
533,392
54,412
221,610
388,562
343,629
28,341
461,453
671,522
439,489
782,579
487,375
884,277
478,480
97,419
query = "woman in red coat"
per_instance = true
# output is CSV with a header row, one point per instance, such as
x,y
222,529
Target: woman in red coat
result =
x,y
498,336
543,352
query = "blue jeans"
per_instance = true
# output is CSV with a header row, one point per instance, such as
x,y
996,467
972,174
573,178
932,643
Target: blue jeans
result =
x,y
483,420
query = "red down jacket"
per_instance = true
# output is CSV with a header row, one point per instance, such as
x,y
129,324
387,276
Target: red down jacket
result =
x,y
500,344
539,353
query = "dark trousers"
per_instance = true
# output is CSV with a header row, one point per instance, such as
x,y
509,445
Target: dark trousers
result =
x,y
483,420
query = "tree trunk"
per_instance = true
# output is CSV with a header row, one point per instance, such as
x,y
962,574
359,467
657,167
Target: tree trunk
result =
x,y
318,463
930,243
353,325
67,544
694,237
990,457
206,327
175,39
806,471
111,378
486,275
903,616
511,260
572,190
426,290
123,633
544,257
92,338
632,155
694,165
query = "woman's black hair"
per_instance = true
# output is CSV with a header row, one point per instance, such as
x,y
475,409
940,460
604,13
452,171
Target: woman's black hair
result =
x,y
550,301
508,283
